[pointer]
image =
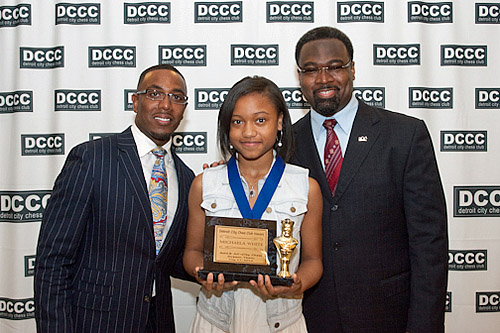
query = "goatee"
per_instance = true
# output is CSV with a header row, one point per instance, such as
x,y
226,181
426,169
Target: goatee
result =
x,y
326,107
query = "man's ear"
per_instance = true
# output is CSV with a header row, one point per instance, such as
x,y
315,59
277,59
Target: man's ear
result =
x,y
135,102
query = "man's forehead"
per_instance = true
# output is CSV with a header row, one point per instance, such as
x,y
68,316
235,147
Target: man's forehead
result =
x,y
330,49
156,76
161,73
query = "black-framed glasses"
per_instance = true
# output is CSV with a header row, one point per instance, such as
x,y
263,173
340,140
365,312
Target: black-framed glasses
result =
x,y
157,95
333,70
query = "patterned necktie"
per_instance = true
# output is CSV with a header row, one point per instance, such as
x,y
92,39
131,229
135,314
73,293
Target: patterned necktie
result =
x,y
158,194
333,154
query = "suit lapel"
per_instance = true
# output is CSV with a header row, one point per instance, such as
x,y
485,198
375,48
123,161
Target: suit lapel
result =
x,y
130,163
308,156
365,132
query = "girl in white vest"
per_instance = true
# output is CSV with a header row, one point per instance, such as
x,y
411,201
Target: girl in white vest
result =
x,y
255,132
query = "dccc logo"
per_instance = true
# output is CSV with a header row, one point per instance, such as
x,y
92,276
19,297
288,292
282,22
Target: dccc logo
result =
x,y
18,307
15,13
73,98
430,10
183,53
428,95
491,10
149,10
464,52
469,258
188,140
17,203
361,9
296,9
42,142
254,52
480,198
493,299
397,52
216,10
295,96
489,96
15,99
369,95
112,54
464,138
212,96
77,11
43,55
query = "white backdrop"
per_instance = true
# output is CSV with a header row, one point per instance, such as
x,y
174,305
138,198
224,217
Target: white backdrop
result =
x,y
67,70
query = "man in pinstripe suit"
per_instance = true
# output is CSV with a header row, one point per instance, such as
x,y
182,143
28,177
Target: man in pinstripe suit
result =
x,y
97,268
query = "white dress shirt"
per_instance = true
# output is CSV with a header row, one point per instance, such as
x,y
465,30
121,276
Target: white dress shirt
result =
x,y
145,146
345,119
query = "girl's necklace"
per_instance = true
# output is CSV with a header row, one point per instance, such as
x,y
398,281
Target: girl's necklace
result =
x,y
252,191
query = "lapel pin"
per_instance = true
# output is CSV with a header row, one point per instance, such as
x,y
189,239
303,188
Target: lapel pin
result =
x,y
363,138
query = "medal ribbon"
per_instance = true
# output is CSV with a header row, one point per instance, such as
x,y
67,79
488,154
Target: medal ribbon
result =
x,y
265,194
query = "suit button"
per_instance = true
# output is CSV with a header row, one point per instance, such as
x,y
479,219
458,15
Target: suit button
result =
x,y
276,325
146,299
336,246
334,208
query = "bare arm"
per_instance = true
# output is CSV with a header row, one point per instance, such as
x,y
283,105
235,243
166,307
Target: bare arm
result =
x,y
311,267
193,252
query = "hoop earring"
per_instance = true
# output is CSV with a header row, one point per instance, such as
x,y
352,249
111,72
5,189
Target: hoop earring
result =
x,y
278,138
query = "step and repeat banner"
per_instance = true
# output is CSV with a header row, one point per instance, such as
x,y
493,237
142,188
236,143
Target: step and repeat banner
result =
x,y
68,70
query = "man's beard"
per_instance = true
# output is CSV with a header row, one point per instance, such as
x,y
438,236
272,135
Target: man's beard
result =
x,y
326,107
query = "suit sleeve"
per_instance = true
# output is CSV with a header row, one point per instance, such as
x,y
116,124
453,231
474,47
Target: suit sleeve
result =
x,y
425,211
61,232
185,178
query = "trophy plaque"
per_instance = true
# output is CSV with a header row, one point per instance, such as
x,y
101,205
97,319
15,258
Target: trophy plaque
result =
x,y
241,249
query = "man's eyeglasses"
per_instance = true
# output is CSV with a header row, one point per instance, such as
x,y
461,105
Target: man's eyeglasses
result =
x,y
157,95
332,70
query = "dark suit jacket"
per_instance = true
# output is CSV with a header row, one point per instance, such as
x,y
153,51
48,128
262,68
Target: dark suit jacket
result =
x,y
96,258
385,238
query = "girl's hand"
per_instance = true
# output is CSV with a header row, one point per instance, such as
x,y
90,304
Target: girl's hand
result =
x,y
265,287
210,284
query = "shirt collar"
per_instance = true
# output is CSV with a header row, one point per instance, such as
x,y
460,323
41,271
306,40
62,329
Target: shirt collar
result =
x,y
345,118
145,145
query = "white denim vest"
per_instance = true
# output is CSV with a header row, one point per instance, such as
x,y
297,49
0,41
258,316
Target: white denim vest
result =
x,y
289,201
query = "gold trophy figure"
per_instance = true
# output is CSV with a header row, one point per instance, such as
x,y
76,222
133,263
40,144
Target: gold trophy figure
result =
x,y
285,245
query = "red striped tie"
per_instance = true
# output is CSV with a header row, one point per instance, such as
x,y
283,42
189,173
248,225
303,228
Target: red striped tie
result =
x,y
333,154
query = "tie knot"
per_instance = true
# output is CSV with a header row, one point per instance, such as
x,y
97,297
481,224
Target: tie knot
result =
x,y
159,152
329,124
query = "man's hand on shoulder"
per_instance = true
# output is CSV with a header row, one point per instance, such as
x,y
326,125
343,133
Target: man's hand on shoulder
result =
x,y
214,164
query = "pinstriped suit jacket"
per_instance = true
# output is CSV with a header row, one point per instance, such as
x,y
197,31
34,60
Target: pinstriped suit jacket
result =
x,y
96,258
385,241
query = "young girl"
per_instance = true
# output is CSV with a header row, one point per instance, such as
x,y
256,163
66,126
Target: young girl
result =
x,y
254,129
